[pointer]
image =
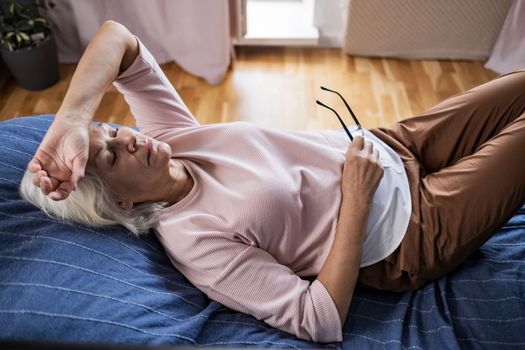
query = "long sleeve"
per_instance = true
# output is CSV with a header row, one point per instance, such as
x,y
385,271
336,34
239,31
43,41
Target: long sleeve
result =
x,y
256,284
248,279
154,102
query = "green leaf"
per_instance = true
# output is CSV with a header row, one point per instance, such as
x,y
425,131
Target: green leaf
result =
x,y
21,21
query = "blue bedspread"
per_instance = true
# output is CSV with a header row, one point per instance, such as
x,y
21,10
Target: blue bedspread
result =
x,y
67,282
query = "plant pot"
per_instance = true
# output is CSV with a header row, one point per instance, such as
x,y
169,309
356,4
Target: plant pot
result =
x,y
34,68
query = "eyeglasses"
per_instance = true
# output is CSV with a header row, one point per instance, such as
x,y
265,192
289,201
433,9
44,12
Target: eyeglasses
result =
x,y
359,128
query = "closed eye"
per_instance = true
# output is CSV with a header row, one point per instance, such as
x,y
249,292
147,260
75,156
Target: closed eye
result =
x,y
111,156
113,152
114,158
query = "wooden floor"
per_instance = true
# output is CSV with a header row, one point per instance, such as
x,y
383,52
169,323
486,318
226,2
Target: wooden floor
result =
x,y
277,87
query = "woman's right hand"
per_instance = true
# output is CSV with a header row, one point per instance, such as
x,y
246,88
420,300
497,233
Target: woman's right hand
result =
x,y
362,171
60,161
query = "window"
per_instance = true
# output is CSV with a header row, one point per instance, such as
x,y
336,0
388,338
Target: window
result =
x,y
277,22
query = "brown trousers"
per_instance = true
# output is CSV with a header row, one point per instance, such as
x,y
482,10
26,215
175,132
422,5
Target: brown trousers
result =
x,y
465,161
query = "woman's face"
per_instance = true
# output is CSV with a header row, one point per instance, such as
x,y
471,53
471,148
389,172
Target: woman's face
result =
x,y
132,164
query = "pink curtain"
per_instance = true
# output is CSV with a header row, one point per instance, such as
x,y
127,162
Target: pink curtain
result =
x,y
508,53
194,34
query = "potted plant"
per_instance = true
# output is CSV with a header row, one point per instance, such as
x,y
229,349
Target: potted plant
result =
x,y
26,43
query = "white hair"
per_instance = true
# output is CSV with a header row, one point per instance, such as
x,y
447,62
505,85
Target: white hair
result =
x,y
93,204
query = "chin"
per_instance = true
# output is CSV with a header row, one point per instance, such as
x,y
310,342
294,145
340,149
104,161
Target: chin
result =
x,y
165,149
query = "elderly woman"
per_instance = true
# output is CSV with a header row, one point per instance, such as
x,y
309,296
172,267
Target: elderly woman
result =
x,y
283,225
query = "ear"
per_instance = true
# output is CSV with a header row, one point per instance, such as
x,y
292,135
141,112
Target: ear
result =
x,y
125,204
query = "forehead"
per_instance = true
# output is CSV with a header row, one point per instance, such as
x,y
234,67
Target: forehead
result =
x,y
97,140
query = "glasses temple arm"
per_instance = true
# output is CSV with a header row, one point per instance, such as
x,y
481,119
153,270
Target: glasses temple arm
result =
x,y
338,117
346,104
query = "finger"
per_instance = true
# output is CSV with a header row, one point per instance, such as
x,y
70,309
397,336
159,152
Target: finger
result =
x,y
55,183
358,142
375,155
34,165
49,184
368,147
36,180
62,192
41,174
38,177
58,195
45,185
79,167
382,173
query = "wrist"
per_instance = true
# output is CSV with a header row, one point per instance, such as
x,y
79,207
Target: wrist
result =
x,y
73,118
353,215
356,203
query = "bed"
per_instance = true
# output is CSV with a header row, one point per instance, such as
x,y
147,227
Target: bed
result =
x,y
69,283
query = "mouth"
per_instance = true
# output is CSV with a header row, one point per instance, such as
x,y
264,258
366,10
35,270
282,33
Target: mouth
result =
x,y
148,147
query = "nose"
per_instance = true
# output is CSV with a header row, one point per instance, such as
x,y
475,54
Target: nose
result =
x,y
124,142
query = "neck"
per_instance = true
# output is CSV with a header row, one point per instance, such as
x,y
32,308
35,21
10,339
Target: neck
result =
x,y
181,182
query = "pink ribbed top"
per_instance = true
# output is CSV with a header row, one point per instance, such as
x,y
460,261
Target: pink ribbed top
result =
x,y
259,223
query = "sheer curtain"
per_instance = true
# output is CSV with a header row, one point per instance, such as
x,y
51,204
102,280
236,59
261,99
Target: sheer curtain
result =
x,y
508,53
194,34
330,19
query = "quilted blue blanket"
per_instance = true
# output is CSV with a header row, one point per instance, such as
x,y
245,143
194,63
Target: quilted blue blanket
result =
x,y
71,283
